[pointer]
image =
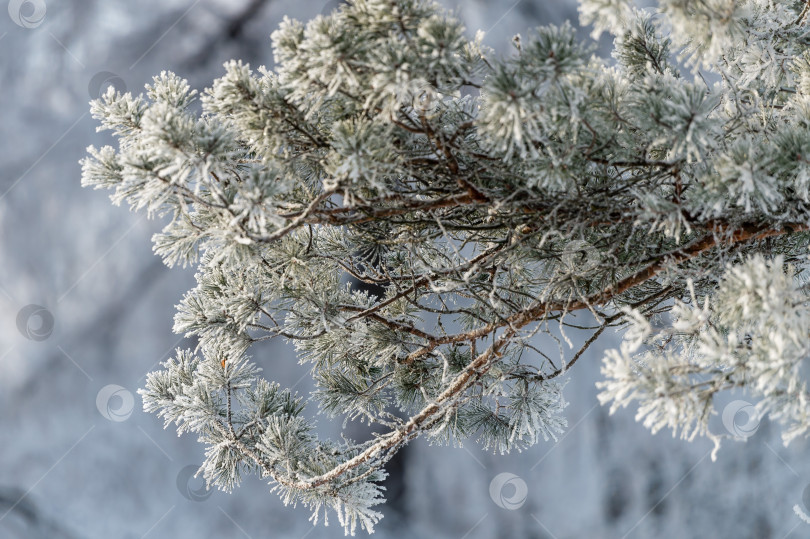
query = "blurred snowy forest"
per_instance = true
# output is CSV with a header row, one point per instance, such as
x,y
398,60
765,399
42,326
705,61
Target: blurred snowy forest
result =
x,y
80,459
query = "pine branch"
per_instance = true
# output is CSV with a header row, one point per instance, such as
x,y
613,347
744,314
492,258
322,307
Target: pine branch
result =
x,y
477,203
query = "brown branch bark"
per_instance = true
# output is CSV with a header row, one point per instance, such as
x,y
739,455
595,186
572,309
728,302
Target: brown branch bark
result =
x,y
803,13
722,234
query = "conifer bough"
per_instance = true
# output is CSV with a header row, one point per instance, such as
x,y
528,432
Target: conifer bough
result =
x,y
502,208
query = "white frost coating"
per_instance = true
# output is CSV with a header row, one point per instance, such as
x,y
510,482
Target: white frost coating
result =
x,y
482,202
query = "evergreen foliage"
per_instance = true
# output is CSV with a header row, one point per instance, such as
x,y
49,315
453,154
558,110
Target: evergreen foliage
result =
x,y
493,200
